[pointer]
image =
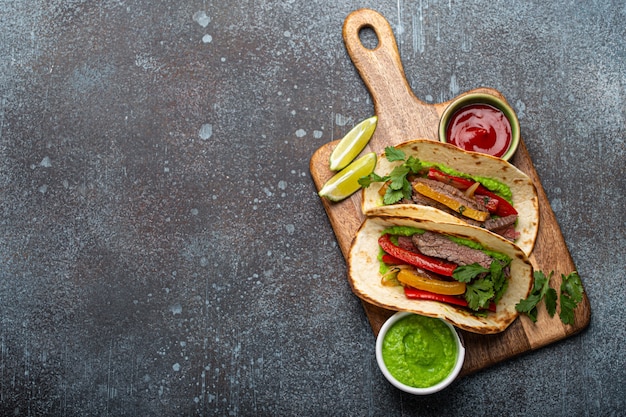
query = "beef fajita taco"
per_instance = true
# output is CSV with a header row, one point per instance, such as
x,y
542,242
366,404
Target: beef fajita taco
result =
x,y
465,275
481,190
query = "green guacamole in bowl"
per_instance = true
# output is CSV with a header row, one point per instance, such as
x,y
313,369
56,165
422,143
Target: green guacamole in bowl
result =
x,y
419,354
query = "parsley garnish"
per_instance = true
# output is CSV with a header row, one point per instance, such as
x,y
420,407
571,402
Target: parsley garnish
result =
x,y
541,287
399,186
483,285
571,294
479,293
500,283
369,179
466,273
394,154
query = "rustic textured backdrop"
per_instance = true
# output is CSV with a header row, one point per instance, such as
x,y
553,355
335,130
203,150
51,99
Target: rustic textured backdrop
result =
x,y
162,247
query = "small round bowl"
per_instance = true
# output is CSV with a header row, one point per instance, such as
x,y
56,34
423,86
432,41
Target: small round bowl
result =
x,y
482,98
409,389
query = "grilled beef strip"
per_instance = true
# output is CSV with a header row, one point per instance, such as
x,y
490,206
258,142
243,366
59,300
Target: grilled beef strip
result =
x,y
508,233
500,222
405,242
433,244
504,226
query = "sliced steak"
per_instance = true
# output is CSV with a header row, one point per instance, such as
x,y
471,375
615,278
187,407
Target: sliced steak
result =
x,y
500,222
504,226
433,244
405,242
508,233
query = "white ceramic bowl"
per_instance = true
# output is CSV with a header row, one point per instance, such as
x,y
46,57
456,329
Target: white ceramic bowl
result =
x,y
412,390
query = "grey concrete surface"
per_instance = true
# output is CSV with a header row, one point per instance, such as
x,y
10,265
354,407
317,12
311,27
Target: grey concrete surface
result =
x,y
162,247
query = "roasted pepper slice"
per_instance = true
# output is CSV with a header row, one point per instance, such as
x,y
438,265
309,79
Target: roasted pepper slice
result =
x,y
455,205
415,294
437,286
419,260
457,182
503,209
391,260
490,203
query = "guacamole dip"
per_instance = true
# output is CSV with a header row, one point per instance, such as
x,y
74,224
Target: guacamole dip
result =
x,y
419,351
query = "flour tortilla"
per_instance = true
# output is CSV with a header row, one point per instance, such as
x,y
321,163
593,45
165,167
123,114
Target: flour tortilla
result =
x,y
525,198
365,279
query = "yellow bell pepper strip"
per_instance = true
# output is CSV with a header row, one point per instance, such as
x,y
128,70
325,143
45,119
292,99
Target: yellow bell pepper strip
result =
x,y
455,205
502,208
437,286
415,294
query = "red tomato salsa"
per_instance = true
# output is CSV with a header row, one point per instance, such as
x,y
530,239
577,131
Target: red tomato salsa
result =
x,y
480,128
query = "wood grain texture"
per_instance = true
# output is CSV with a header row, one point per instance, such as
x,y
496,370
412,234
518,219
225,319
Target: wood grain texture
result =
x,y
402,116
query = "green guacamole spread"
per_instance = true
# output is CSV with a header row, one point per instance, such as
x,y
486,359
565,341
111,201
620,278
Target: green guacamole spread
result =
x,y
419,351
489,183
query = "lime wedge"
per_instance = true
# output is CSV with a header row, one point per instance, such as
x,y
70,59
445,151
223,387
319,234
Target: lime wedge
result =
x,y
346,182
352,143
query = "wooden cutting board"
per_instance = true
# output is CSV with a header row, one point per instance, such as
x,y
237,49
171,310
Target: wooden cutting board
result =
x,y
402,117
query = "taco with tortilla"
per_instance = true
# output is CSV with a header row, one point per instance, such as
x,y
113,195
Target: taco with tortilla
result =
x,y
481,190
465,275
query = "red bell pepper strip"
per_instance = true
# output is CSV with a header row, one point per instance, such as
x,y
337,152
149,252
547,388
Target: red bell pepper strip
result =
x,y
457,182
504,207
415,294
490,203
429,263
391,260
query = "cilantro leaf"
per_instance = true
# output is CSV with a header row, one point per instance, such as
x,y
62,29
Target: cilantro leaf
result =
x,y
367,180
528,306
392,196
500,283
550,300
399,186
479,293
567,309
414,164
407,190
572,285
571,295
398,176
540,288
466,273
393,154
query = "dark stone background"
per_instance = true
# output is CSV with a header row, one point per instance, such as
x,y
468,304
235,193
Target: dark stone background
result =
x,y
162,247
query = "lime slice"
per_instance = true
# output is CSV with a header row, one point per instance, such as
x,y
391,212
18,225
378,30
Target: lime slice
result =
x,y
346,182
352,143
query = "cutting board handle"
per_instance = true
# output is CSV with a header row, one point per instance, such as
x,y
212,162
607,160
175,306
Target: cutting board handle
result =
x,y
401,115
380,67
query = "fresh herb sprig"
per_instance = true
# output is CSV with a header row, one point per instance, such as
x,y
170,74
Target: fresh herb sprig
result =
x,y
571,293
399,186
484,285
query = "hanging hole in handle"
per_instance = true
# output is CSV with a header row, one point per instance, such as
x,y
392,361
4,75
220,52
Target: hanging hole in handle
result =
x,y
368,37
